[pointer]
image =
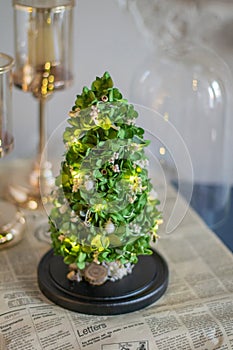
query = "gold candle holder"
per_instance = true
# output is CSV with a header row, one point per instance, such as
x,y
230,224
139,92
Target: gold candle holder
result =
x,y
43,50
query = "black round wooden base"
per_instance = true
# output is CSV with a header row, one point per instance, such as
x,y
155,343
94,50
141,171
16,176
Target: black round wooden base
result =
x,y
145,285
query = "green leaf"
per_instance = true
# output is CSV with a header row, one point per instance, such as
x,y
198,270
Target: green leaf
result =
x,y
81,265
81,257
69,260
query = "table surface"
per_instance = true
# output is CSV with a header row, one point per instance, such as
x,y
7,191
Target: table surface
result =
x,y
195,312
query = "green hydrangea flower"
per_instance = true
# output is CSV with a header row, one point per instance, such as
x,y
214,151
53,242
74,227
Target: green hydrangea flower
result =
x,y
102,209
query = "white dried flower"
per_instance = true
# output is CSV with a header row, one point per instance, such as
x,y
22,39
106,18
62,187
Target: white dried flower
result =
x,y
116,168
135,227
142,163
117,271
130,121
109,227
94,114
89,184
114,157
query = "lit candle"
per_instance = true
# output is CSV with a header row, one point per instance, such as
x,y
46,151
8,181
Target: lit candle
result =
x,y
43,36
44,43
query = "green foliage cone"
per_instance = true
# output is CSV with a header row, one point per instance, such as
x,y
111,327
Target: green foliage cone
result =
x,y
102,208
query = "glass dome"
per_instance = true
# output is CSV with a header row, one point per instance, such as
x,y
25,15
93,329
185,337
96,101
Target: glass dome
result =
x,y
189,85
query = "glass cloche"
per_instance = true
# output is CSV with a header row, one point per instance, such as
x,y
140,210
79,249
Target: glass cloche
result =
x,y
190,86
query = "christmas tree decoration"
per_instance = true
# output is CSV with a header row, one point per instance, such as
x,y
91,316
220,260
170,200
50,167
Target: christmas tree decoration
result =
x,y
103,217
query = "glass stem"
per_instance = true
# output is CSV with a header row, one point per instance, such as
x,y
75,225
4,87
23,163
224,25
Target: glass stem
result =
x,y
42,176
42,127
36,174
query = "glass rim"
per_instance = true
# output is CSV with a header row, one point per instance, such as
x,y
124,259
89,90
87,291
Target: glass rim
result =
x,y
8,64
43,4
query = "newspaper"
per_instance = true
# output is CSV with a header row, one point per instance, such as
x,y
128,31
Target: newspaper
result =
x,y
196,311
